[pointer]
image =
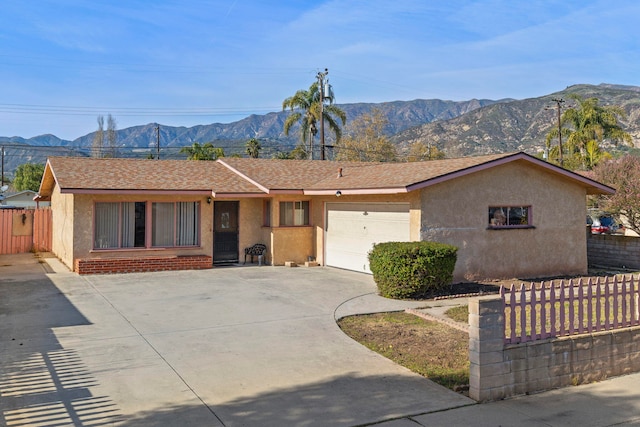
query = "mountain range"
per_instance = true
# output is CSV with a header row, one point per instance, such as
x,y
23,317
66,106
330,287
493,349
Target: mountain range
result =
x,y
458,128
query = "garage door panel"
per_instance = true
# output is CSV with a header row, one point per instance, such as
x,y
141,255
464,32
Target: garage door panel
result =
x,y
353,229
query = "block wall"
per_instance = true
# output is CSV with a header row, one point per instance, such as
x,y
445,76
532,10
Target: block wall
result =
x,y
499,370
613,251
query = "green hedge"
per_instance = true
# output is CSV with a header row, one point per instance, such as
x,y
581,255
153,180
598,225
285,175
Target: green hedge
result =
x,y
412,269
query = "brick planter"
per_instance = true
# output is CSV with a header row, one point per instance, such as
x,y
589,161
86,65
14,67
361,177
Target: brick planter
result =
x,y
141,264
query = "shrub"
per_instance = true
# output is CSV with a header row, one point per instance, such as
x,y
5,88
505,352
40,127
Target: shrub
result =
x,y
412,269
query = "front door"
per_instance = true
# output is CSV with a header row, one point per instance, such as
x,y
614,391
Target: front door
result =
x,y
225,232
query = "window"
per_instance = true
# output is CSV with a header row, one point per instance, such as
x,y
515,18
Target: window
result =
x,y
266,213
510,217
294,213
125,225
119,225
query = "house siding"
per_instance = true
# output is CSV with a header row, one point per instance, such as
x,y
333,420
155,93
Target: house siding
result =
x,y
63,230
456,212
251,230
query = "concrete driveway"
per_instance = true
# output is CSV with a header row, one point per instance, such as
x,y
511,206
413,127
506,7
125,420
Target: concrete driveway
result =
x,y
231,346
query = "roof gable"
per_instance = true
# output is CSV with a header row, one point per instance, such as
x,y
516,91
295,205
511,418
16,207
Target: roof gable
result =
x,y
90,175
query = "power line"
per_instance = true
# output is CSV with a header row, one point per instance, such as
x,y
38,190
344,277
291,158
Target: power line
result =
x,y
130,111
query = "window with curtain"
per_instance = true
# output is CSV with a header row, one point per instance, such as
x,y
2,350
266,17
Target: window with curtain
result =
x,y
187,224
119,225
124,224
107,218
175,224
294,213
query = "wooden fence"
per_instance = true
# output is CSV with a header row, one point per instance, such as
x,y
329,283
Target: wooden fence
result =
x,y
570,307
25,230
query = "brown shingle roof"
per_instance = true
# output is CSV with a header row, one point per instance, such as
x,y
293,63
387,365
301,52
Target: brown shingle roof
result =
x,y
251,177
80,173
321,175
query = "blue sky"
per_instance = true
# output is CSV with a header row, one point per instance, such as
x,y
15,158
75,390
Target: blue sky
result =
x,y
189,62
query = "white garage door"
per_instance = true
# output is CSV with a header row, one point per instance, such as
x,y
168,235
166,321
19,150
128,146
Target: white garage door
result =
x,y
353,228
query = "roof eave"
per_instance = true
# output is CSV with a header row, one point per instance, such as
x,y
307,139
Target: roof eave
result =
x,y
237,195
134,191
356,191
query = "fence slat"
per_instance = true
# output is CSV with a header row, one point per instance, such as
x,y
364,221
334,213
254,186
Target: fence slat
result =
x,y
572,312
598,306
552,309
634,302
602,304
563,299
522,304
512,304
615,291
580,307
533,304
607,304
589,306
543,313
625,318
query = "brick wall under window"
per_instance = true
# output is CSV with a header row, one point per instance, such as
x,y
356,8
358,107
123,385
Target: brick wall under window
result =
x,y
141,264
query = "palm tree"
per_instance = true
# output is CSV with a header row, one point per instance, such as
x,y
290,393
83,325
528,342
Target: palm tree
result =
x,y
202,152
306,107
589,125
253,148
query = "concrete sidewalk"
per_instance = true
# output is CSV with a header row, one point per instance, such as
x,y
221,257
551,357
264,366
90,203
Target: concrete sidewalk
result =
x,y
615,402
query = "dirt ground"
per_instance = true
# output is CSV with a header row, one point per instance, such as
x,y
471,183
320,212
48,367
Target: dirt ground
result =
x,y
428,348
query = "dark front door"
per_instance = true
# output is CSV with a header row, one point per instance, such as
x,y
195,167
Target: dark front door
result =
x,y
225,232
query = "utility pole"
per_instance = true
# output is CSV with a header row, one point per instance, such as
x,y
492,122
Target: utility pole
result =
x,y
321,84
2,173
157,142
559,102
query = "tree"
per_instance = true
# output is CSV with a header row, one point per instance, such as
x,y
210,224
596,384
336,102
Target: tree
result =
x,y
365,140
420,151
306,107
623,174
588,126
202,152
28,176
253,148
112,137
98,139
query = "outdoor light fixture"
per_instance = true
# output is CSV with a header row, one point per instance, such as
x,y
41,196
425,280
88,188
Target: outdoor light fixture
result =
x,y
338,193
208,200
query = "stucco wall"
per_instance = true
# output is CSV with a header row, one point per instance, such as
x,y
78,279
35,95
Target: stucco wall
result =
x,y
290,243
456,212
251,227
62,227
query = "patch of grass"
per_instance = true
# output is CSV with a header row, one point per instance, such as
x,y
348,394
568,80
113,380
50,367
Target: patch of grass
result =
x,y
431,349
459,313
